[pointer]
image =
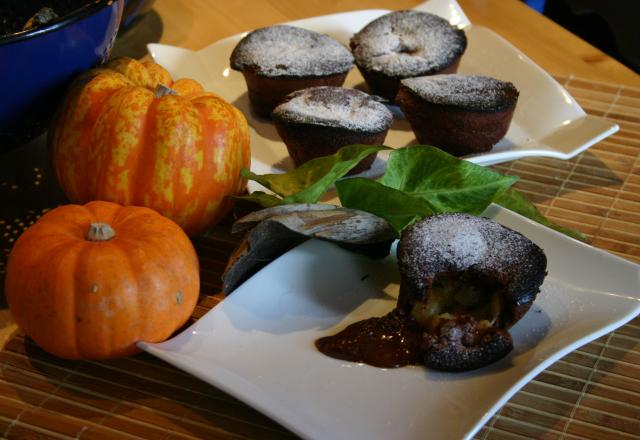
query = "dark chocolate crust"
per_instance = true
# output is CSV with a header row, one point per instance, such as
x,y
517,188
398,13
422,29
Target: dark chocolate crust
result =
x,y
305,142
455,130
450,243
448,352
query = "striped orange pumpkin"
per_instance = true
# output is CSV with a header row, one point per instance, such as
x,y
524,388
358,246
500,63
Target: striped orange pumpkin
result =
x,y
129,134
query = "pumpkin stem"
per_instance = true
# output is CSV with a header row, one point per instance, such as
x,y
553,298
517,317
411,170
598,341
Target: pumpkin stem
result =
x,y
99,231
162,90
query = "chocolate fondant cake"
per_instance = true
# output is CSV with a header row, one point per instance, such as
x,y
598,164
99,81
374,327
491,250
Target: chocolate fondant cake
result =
x,y
318,121
458,113
406,44
278,60
467,279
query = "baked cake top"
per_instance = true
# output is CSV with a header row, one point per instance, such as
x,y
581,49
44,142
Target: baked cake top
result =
x,y
408,43
470,92
337,107
290,51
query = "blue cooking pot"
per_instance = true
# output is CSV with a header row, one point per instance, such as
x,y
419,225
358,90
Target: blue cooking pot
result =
x,y
37,65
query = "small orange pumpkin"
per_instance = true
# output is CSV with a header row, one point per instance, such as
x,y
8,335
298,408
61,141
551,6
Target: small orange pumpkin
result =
x,y
123,135
87,282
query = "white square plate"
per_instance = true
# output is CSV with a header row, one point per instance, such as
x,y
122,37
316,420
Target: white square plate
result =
x,y
547,120
258,344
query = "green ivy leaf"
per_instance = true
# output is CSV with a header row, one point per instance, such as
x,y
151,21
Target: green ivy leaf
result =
x,y
419,181
449,184
308,182
397,207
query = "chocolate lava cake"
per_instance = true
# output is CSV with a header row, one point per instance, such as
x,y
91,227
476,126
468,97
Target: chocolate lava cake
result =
x,y
467,279
318,121
406,44
460,114
464,281
278,60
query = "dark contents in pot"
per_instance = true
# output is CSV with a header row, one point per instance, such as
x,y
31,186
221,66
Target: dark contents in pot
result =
x,y
16,16
43,16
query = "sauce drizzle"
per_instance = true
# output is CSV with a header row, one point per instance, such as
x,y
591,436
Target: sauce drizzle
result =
x,y
390,341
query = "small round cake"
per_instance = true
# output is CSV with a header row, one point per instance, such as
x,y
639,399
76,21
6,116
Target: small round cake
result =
x,y
318,121
278,60
406,44
466,280
460,114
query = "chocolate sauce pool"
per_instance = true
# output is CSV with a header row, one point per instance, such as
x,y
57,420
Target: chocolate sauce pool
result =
x,y
396,340
390,341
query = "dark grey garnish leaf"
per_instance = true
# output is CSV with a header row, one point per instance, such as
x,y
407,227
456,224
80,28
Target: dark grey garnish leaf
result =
x,y
273,231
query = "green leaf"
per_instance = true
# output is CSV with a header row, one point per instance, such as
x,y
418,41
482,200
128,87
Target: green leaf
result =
x,y
449,184
262,198
396,207
517,202
419,181
308,182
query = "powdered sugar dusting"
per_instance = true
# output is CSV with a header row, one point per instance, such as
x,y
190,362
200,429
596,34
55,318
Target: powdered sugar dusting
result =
x,y
290,51
455,239
472,92
456,242
335,107
408,43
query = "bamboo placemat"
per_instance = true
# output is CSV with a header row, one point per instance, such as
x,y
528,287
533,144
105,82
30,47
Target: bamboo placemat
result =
x,y
592,393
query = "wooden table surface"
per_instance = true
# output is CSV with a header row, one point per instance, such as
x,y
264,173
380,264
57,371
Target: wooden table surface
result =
x,y
197,23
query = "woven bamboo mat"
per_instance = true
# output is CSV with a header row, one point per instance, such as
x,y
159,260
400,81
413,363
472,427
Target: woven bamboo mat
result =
x,y
592,393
